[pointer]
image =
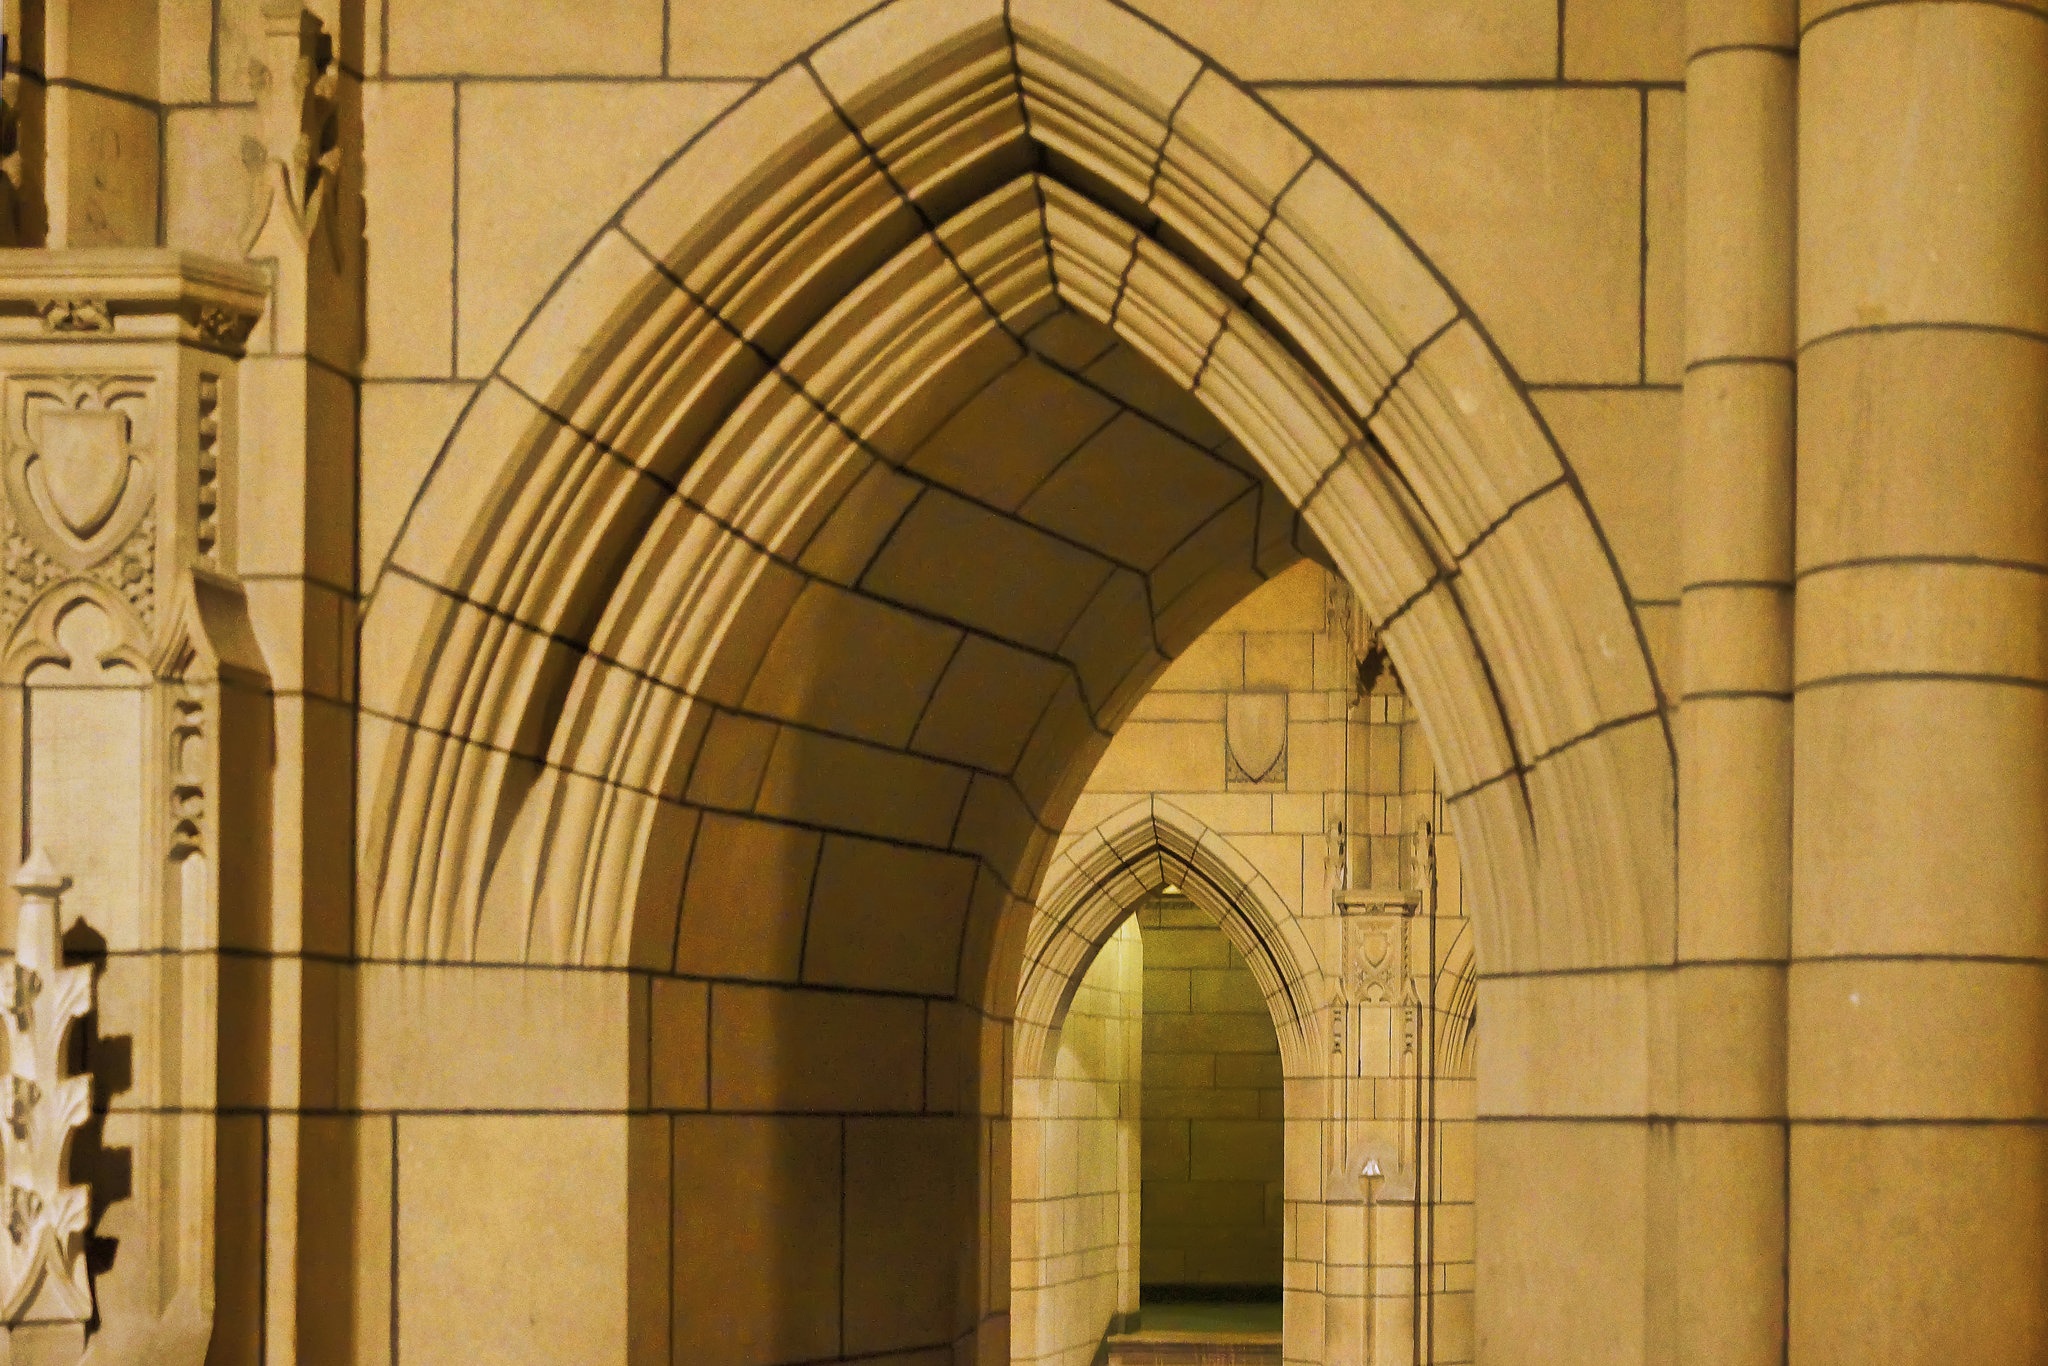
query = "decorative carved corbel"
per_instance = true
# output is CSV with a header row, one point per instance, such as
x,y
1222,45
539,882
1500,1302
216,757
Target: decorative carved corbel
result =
x,y
297,154
76,315
46,1215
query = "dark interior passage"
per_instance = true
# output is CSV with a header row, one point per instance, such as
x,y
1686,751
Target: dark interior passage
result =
x,y
1211,1214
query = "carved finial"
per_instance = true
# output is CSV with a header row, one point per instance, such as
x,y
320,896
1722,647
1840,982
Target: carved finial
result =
x,y
44,1253
295,158
38,876
1336,852
1422,857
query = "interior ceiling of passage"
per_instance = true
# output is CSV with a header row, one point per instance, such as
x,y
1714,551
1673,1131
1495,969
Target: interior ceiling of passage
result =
x,y
1078,519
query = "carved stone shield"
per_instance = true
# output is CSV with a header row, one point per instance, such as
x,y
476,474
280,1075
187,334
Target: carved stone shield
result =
x,y
1255,738
77,462
83,464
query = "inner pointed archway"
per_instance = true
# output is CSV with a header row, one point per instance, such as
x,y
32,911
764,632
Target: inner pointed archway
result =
x,y
1077,1249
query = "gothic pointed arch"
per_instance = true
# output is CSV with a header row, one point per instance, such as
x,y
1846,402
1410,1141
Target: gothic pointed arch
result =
x,y
1097,881
708,438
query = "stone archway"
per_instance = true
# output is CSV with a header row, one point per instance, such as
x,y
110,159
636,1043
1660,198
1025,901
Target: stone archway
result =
x,y
688,586
1093,887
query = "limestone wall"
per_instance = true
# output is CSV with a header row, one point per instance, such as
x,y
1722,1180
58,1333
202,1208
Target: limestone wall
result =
x,y
1074,1139
1210,1211
528,970
746,1082
1259,738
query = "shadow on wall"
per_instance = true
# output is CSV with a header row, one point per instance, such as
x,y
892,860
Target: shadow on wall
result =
x,y
1212,1214
833,959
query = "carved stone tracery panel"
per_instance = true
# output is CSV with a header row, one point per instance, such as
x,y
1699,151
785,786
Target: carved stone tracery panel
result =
x,y
80,469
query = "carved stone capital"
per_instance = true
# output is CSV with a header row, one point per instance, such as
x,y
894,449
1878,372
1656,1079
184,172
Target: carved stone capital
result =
x,y
130,294
116,427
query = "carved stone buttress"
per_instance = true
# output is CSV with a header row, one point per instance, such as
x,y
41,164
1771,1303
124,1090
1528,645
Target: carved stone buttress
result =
x,y
126,666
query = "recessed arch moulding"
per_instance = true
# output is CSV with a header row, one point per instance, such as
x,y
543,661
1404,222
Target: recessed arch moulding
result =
x,y
695,570
1097,883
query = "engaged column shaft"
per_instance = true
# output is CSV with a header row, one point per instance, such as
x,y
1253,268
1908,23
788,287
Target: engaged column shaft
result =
x,y
1918,995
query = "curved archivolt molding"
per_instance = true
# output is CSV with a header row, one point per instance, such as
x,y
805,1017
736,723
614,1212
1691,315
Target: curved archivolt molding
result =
x,y
1457,1009
792,301
1098,881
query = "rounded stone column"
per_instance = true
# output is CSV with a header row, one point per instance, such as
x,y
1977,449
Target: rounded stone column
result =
x,y
1918,993
1727,1250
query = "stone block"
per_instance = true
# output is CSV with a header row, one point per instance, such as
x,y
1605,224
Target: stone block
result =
x,y
909,1220
498,1180
1623,445
1923,619
1214,663
961,562
760,1191
678,1044
1566,1044
886,918
1086,497
802,679
184,52
1203,947
1164,1102
705,41
1624,40
1889,859
1664,295
203,173
1926,1040
409,197
797,1050
1208,1034
1526,200
608,38
1177,756
103,186
1875,247
1560,1209
404,427
1231,1149
1471,40
817,779
1874,438
1730,1024
1279,659
529,1038
516,231
1230,991
746,899
1943,1218
729,763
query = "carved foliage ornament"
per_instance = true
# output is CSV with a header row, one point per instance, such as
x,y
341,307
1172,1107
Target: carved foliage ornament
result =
x,y
44,1251
76,315
1376,958
297,157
